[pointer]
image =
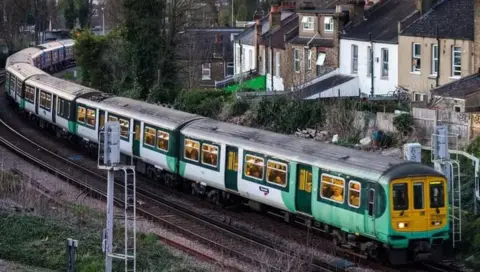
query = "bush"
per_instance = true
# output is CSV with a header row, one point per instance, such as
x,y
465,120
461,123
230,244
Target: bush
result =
x,y
403,123
239,107
206,103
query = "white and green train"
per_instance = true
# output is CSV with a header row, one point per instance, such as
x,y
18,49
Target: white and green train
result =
x,y
387,207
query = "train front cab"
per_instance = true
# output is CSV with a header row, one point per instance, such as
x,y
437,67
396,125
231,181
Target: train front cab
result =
x,y
419,219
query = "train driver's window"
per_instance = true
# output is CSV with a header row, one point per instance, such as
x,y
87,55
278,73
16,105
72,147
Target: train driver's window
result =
x,y
209,154
400,196
149,136
162,140
192,149
354,191
277,173
437,195
332,188
418,196
254,167
81,112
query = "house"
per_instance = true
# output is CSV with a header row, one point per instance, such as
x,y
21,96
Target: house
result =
x,y
437,48
369,45
205,56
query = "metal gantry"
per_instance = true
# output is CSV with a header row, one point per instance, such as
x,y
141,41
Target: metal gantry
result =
x,y
109,159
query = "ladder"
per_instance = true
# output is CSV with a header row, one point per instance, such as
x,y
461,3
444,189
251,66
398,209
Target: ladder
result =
x,y
129,217
455,201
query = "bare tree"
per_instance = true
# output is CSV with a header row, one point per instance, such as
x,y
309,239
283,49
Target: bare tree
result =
x,y
14,17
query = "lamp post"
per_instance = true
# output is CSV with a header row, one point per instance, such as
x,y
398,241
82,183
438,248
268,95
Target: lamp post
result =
x,y
103,20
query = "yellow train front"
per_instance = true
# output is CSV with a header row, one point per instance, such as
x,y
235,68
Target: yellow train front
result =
x,y
416,214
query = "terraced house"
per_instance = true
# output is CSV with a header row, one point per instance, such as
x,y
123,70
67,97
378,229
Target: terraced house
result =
x,y
438,48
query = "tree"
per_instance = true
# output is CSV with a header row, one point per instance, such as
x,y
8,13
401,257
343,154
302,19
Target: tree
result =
x,y
84,12
15,15
69,13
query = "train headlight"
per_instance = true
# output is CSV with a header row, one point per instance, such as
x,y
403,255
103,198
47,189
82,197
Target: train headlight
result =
x,y
402,225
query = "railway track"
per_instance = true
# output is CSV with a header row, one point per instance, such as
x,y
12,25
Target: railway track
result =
x,y
233,242
441,267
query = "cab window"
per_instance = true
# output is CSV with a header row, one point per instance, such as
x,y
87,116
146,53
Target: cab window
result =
x,y
277,173
400,196
418,195
333,188
354,190
254,167
437,194
192,149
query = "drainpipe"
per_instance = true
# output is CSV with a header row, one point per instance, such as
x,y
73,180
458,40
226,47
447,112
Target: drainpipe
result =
x,y
437,79
304,62
271,62
371,63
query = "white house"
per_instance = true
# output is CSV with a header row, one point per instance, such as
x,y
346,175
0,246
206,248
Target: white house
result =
x,y
373,42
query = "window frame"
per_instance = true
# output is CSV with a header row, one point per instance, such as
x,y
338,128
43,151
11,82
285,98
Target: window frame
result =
x,y
456,50
94,119
157,131
119,119
250,59
27,87
422,183
145,127
309,59
309,22
205,163
434,71
185,150
354,54
304,186
328,21
371,201
385,72
369,59
286,173
415,57
455,107
84,118
407,201
230,65
246,163
205,69
277,66
333,177
435,182
45,98
296,60
355,190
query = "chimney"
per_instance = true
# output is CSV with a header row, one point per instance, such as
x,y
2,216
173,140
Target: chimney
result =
x,y
339,22
356,9
275,17
476,34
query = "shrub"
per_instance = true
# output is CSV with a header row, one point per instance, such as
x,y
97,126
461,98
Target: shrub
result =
x,y
403,123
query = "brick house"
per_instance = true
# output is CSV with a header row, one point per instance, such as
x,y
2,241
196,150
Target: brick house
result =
x,y
205,56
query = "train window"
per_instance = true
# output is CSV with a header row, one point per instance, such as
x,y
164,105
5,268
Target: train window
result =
x,y
162,140
305,180
29,93
437,195
333,188
45,100
90,118
60,104
354,192
13,79
254,167
209,155
149,136
232,161
371,202
137,132
81,112
277,173
67,110
192,149
19,87
112,118
418,195
124,128
400,196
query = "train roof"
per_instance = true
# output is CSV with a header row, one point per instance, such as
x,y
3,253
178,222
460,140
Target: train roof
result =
x,y
18,57
338,159
24,71
32,51
50,45
67,42
60,87
149,113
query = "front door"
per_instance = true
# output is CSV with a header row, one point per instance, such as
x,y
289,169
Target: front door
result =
x,y
136,138
54,109
303,196
231,172
370,211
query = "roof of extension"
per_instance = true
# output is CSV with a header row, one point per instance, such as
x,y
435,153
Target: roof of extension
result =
x,y
382,21
454,19
460,88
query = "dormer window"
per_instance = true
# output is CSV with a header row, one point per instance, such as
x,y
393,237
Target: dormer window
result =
x,y
307,23
328,23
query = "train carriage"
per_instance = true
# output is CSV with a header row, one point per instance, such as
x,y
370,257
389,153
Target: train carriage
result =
x,y
34,55
53,100
69,50
16,75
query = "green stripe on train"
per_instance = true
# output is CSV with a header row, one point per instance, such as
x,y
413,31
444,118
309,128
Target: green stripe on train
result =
x,y
72,127
288,197
21,105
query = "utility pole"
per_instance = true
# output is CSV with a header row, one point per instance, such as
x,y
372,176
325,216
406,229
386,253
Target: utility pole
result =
x,y
103,20
437,79
371,64
233,25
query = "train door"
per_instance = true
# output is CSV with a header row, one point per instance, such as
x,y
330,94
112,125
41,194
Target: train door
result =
x,y
303,196
370,211
37,95
54,109
136,138
101,121
231,169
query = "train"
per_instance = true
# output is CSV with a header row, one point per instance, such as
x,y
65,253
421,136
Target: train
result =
x,y
384,207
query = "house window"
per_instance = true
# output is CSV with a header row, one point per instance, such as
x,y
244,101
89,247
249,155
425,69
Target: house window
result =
x,y
277,68
296,60
456,61
328,23
309,59
384,62
369,59
206,71
250,60
416,54
418,97
434,59
354,59
307,23
230,69
270,59
457,108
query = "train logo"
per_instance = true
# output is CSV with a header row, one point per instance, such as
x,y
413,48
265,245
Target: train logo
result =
x,y
264,190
